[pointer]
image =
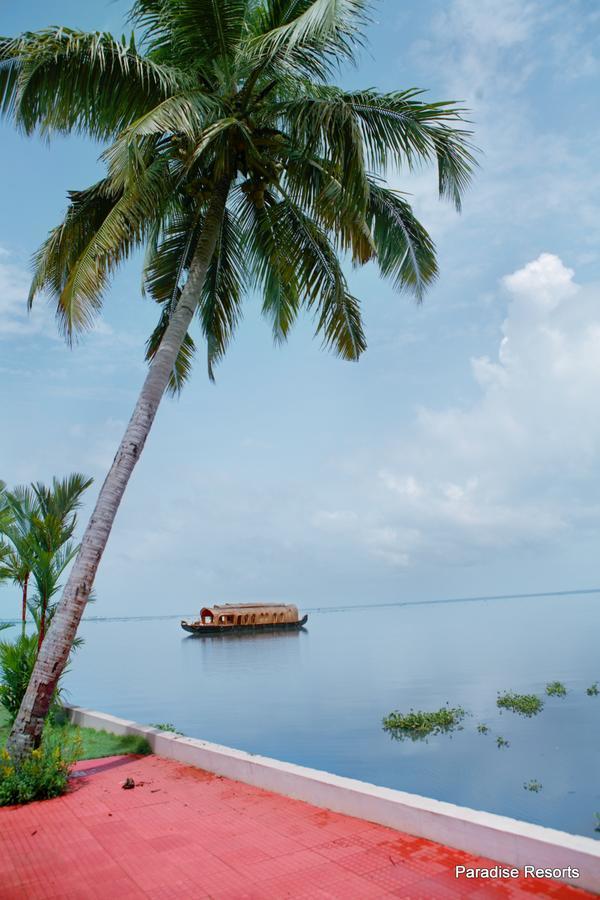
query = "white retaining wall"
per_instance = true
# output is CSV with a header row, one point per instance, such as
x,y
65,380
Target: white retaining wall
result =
x,y
484,834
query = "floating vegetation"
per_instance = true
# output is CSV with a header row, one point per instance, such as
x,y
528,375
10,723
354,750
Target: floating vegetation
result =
x,y
418,724
593,691
556,689
483,729
523,704
502,742
532,785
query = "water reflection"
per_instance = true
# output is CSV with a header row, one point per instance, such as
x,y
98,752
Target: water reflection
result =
x,y
248,635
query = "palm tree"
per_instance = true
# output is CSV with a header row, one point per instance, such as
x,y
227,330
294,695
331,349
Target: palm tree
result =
x,y
53,525
37,524
47,569
238,165
16,526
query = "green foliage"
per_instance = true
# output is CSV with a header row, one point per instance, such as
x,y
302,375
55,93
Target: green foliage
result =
x,y
523,704
37,530
17,660
556,689
165,726
418,724
483,729
43,774
502,742
232,93
593,690
533,785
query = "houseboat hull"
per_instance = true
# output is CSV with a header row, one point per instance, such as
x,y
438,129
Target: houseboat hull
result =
x,y
208,630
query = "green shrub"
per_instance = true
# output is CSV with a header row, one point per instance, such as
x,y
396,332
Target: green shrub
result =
x,y
556,689
523,704
417,724
43,774
17,659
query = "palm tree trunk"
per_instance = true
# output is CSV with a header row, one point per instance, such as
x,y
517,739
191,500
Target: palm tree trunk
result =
x,y
24,600
42,632
27,728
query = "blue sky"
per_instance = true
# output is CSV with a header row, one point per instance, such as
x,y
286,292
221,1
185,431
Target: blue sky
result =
x,y
458,457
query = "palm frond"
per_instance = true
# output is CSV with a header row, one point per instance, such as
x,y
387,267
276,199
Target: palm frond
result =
x,y
306,36
53,261
220,304
198,33
77,260
395,129
316,185
60,79
405,251
270,262
301,256
184,117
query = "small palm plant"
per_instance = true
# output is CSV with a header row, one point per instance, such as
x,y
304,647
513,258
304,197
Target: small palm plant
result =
x,y
238,166
16,525
37,529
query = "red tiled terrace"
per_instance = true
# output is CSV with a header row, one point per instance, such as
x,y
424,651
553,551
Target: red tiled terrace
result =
x,y
183,834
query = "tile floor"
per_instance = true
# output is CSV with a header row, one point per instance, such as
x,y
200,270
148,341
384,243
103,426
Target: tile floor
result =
x,y
184,834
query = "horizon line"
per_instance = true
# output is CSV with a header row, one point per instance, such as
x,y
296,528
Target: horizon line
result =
x,y
348,606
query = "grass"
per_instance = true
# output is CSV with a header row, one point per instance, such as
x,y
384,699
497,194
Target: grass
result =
x,y
95,744
556,689
418,724
523,704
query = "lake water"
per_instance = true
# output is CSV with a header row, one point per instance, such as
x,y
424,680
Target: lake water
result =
x,y
317,697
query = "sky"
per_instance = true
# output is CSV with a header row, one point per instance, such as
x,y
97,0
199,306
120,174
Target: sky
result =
x,y
458,457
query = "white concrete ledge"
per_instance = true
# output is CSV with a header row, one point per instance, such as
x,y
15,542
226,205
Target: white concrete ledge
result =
x,y
484,834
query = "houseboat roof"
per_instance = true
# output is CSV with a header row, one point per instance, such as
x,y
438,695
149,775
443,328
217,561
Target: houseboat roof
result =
x,y
254,606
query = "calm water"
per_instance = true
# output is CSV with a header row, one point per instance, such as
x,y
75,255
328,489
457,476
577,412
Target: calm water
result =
x,y
318,697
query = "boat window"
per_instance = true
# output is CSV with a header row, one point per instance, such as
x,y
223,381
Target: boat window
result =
x,y
253,619
239,621
221,618
230,620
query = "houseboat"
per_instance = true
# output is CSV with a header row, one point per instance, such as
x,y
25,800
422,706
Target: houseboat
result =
x,y
245,617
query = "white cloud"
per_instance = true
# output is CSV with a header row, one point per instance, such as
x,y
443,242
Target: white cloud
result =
x,y
516,466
